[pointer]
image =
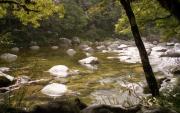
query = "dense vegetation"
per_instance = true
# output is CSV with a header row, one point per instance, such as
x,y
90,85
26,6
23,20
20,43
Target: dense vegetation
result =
x,y
93,19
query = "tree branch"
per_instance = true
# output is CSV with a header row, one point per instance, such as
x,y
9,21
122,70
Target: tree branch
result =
x,y
173,6
18,4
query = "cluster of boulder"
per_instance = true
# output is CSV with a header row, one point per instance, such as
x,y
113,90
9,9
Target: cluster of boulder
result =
x,y
76,106
164,58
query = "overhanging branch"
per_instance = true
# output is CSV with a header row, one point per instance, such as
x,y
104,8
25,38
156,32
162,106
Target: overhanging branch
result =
x,y
23,6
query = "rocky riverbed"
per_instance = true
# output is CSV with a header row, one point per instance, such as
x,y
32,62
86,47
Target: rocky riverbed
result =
x,y
106,72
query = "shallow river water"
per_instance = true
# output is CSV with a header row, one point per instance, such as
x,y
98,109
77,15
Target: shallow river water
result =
x,y
92,86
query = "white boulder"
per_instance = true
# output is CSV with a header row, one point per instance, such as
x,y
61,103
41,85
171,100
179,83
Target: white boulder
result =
x,y
15,49
101,47
76,40
122,46
169,44
59,71
71,52
8,57
64,42
155,42
159,49
83,46
4,69
113,46
54,89
34,48
88,54
54,47
177,45
89,60
88,49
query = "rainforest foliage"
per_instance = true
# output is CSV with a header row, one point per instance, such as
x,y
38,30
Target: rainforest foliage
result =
x,y
45,21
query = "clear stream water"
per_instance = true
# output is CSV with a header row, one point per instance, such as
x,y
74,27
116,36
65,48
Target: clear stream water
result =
x,y
35,64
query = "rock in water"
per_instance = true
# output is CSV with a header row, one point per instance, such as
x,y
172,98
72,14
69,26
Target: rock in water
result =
x,y
64,42
89,60
88,49
169,44
15,49
4,69
54,47
155,42
59,71
54,89
122,46
34,48
76,41
8,57
177,45
71,52
102,47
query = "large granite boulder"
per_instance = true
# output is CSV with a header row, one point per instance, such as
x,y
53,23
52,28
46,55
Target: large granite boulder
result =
x,y
89,62
34,48
76,40
54,89
15,49
59,71
65,43
71,52
54,47
8,57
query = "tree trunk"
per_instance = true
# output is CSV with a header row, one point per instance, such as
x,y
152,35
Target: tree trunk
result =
x,y
150,78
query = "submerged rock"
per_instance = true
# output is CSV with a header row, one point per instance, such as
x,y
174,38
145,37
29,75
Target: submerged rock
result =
x,y
54,89
24,79
155,42
64,42
8,57
34,48
54,47
176,71
88,49
59,71
76,40
15,49
159,49
122,46
113,46
83,46
4,69
177,45
168,85
169,44
115,97
101,47
89,60
71,52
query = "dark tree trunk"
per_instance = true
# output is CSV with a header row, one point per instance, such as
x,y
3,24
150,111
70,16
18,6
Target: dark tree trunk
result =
x,y
150,78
